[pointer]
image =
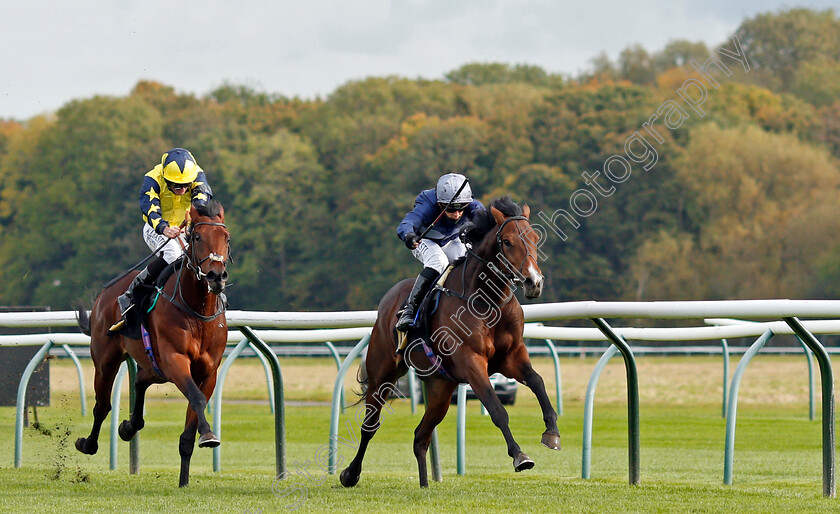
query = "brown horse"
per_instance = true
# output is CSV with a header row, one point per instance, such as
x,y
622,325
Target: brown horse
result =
x,y
475,332
188,334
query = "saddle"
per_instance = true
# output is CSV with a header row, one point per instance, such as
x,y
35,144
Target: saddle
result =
x,y
421,329
145,298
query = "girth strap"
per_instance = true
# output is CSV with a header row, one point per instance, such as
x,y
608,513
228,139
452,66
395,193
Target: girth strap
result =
x,y
147,346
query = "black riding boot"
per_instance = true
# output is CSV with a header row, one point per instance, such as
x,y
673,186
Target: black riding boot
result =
x,y
145,277
421,286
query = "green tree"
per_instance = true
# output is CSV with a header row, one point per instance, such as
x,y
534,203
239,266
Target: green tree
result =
x,y
754,192
777,44
482,74
72,205
636,65
679,53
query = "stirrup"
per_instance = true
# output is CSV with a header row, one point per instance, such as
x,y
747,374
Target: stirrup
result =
x,y
116,327
121,323
402,343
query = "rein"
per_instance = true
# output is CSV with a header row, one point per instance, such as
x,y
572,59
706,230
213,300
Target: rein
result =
x,y
200,275
512,278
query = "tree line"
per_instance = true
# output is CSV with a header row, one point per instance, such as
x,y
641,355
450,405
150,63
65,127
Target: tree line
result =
x,y
741,203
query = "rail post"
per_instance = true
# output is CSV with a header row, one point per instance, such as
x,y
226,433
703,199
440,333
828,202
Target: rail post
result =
x,y
632,396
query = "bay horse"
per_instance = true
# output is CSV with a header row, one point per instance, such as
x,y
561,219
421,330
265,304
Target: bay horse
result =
x,y
187,332
477,330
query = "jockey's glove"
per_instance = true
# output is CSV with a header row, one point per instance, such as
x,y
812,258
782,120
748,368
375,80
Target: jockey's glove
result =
x,y
411,240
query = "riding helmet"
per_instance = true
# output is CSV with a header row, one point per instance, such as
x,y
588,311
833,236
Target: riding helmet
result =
x,y
448,185
179,166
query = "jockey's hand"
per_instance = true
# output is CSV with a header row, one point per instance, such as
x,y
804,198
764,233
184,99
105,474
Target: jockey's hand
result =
x,y
462,234
172,232
411,240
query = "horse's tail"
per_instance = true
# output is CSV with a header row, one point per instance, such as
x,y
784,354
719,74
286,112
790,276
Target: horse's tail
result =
x,y
83,319
362,379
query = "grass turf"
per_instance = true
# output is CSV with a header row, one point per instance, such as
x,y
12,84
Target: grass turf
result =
x,y
777,453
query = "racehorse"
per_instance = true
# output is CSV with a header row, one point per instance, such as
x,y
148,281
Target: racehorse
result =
x,y
476,331
187,336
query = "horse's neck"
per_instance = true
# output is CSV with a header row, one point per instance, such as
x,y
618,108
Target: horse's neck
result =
x,y
486,279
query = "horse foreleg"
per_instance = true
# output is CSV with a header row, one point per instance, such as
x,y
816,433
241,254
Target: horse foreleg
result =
x,y
521,370
438,395
206,439
482,388
183,380
186,445
106,372
129,427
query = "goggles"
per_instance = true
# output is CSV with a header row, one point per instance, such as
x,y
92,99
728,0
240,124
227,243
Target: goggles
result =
x,y
173,186
457,207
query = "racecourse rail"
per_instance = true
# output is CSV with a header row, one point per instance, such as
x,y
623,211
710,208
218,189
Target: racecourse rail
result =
x,y
333,326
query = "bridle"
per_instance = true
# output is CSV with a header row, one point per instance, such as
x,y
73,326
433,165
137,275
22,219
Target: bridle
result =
x,y
195,267
212,257
514,277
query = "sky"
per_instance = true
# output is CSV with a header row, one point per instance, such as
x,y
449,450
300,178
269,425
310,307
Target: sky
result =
x,y
56,51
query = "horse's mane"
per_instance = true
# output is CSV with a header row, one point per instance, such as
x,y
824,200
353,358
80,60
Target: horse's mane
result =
x,y
210,209
484,220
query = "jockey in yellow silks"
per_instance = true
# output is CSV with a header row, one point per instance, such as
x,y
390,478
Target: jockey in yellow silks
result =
x,y
164,203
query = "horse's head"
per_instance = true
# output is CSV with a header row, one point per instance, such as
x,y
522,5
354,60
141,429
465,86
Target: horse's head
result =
x,y
517,242
209,245
503,235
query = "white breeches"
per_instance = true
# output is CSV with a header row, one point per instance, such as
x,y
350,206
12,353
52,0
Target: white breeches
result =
x,y
171,251
432,255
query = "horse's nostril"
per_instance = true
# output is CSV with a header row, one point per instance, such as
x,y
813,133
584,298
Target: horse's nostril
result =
x,y
224,276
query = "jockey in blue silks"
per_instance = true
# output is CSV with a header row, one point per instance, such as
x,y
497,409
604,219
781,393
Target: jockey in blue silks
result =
x,y
444,210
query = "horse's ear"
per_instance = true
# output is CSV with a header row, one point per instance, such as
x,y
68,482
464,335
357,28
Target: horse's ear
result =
x,y
526,211
221,213
497,215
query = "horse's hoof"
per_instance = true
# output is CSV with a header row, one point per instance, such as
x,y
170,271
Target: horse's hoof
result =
x,y
88,449
551,441
348,480
126,431
208,440
522,462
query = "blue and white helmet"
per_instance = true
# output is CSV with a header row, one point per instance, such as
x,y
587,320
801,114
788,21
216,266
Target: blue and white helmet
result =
x,y
448,185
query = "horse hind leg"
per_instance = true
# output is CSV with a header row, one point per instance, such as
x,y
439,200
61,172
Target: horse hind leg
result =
x,y
186,443
107,366
129,427
376,396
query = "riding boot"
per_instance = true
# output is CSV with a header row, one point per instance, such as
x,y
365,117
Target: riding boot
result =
x,y
145,277
421,286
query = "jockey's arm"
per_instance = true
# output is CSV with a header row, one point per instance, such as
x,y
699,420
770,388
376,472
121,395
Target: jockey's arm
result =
x,y
200,190
150,205
422,215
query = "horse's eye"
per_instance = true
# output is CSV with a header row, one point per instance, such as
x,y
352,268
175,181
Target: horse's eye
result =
x,y
197,237
507,242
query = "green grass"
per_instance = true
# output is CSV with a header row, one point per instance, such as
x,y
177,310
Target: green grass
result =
x,y
777,455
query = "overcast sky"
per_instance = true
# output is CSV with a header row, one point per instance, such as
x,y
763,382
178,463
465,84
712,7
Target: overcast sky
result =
x,y
56,51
